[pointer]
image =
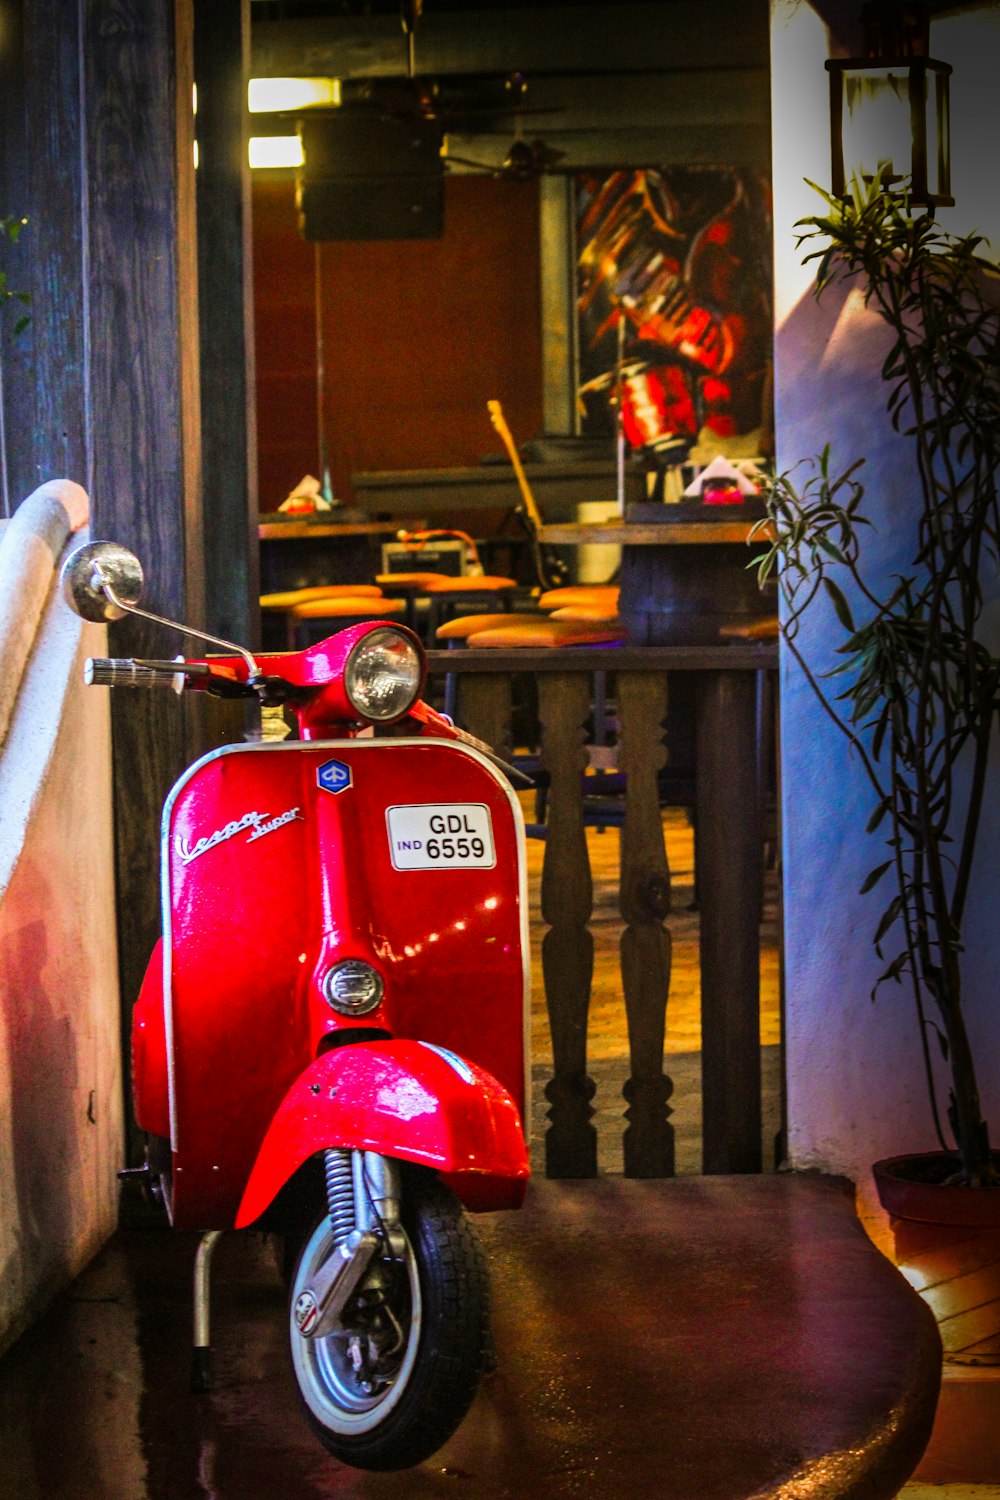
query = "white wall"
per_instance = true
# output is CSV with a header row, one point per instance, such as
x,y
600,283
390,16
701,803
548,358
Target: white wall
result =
x,y
855,1076
60,1073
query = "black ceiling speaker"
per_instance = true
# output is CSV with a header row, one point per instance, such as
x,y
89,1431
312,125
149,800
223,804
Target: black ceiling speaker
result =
x,y
368,175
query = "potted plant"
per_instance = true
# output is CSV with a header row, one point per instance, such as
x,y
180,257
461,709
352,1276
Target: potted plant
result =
x,y
916,691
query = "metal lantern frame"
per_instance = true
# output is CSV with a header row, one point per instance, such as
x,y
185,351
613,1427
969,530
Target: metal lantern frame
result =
x,y
922,74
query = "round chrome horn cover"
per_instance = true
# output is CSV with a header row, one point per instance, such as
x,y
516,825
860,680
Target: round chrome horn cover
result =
x,y
82,575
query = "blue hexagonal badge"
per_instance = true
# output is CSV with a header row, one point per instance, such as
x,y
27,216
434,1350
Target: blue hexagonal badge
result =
x,y
334,776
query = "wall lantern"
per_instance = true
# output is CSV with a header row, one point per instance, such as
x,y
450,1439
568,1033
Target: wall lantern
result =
x,y
889,109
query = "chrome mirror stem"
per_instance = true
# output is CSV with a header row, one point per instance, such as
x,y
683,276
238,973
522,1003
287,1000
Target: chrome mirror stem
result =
x,y
133,609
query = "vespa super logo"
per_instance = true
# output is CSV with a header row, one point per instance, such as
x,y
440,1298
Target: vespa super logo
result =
x,y
259,823
334,776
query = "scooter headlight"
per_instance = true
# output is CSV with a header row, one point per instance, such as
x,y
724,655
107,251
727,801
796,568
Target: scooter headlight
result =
x,y
352,987
383,674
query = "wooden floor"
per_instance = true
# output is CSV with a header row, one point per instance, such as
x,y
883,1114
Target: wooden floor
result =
x,y
607,1035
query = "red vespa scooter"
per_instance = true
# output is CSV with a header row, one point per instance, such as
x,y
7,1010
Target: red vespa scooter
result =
x,y
330,1040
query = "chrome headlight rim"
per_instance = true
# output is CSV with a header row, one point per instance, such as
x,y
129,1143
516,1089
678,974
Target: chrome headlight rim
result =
x,y
348,970
383,635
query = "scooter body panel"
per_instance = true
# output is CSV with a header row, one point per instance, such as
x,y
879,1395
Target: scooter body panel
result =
x,y
405,1099
280,860
150,1089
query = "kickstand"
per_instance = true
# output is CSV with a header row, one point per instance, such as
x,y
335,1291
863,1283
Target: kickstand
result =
x,y
201,1368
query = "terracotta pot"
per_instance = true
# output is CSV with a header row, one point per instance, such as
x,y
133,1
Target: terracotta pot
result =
x,y
906,1190
947,1244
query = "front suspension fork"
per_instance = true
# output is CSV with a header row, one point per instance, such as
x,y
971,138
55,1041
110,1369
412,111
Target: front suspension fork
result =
x,y
363,1200
362,1191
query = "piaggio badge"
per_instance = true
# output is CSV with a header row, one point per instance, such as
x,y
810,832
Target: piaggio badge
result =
x,y
334,776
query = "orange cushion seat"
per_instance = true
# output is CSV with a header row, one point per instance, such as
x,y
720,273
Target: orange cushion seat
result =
x,y
410,580
291,597
607,612
586,594
358,607
549,633
463,626
765,629
484,583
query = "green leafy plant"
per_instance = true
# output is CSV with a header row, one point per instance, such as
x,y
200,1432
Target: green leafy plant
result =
x,y
10,228
917,689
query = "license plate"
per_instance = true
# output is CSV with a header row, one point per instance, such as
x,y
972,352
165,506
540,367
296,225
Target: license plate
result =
x,y
440,836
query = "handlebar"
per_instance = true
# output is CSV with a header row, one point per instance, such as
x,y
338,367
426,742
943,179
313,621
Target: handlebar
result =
x,y
134,672
110,671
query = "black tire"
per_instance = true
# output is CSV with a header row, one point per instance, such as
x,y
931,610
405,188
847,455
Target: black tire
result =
x,y
429,1387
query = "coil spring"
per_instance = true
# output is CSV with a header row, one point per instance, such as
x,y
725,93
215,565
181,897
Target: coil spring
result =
x,y
339,1193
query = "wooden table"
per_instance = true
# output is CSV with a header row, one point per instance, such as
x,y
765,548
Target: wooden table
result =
x,y
684,575
299,554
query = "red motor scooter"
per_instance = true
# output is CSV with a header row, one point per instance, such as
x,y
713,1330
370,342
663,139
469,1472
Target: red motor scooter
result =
x,y
330,1040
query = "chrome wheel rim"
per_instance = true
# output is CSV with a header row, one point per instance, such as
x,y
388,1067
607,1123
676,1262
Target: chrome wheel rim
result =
x,y
323,1367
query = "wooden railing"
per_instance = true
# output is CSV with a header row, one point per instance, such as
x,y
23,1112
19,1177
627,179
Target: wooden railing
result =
x,y
721,685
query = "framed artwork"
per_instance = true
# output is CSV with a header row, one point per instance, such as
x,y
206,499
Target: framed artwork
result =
x,y
675,308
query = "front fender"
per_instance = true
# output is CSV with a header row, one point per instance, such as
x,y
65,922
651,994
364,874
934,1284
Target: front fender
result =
x,y
404,1099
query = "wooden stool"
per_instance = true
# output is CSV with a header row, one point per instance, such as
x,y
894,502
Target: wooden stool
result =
x,y
455,633
409,587
338,614
602,596
291,597
606,612
448,594
549,633
286,602
767,629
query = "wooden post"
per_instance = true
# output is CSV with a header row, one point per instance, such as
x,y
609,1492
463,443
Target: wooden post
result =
x,y
729,865
104,388
42,370
225,305
143,415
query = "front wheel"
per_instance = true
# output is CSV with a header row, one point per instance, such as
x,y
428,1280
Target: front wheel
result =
x,y
389,1386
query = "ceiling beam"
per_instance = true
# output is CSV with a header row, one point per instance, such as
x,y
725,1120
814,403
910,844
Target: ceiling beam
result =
x,y
630,37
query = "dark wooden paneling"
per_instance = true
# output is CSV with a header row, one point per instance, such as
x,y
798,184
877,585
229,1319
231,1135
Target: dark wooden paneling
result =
x,y
418,336
44,377
228,433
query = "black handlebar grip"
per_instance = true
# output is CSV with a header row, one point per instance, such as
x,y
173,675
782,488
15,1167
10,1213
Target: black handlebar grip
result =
x,y
109,671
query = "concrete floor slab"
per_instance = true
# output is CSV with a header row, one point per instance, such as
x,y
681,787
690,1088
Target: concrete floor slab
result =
x,y
694,1339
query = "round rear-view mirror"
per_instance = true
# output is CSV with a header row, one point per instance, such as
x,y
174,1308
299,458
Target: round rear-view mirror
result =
x,y
86,572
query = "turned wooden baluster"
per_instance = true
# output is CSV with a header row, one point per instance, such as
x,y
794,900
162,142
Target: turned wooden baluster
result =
x,y
484,708
568,947
644,901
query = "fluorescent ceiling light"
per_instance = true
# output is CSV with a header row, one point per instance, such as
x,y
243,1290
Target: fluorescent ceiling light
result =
x,y
275,151
266,95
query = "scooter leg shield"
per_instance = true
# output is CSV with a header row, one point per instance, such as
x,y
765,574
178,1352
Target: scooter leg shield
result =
x,y
406,1099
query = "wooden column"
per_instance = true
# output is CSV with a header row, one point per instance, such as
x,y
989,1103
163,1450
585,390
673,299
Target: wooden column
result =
x,y
568,946
44,368
729,866
225,303
143,415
